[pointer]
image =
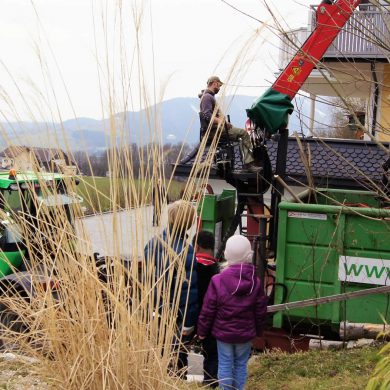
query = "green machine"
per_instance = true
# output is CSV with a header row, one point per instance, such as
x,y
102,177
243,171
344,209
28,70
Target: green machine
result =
x,y
216,213
333,242
22,196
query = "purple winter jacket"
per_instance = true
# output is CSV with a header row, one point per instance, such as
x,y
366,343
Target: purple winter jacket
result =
x,y
235,306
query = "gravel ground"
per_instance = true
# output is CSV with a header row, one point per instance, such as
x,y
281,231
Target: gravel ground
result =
x,y
20,373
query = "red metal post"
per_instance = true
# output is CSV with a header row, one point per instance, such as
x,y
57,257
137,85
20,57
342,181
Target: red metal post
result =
x,y
256,208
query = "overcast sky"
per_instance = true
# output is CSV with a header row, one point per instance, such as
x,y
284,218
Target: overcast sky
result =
x,y
57,59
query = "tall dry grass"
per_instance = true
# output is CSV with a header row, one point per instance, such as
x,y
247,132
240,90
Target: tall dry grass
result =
x,y
95,325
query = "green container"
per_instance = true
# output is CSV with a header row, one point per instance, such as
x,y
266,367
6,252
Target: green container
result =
x,y
216,213
338,243
9,261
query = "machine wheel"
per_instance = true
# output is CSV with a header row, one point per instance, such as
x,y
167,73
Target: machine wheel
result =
x,y
11,328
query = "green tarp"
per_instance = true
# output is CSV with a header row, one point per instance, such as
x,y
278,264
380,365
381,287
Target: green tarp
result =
x,y
271,110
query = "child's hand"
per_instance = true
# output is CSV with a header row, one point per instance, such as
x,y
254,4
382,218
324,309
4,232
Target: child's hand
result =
x,y
201,337
188,331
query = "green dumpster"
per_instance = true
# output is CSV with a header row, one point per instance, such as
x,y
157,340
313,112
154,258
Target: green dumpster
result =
x,y
336,243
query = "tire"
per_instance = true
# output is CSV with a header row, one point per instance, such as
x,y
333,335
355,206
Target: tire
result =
x,y
11,328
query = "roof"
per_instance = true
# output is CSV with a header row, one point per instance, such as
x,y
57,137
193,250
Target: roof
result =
x,y
47,154
336,163
13,151
43,155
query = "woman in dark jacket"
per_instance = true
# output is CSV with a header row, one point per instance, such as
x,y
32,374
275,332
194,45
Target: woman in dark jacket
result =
x,y
165,251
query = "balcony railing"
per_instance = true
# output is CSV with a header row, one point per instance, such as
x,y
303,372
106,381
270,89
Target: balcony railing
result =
x,y
366,35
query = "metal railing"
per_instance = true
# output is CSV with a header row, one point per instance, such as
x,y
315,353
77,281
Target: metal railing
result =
x,y
291,42
366,35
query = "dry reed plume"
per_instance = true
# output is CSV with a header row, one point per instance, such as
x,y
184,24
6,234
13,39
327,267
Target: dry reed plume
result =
x,y
95,324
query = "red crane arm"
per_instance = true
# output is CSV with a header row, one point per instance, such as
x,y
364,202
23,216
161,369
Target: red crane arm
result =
x,y
271,110
331,17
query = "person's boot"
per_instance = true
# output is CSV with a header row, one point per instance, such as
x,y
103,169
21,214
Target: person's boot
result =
x,y
252,167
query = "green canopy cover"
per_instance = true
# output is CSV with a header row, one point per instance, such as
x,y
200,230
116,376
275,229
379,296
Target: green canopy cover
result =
x,y
271,110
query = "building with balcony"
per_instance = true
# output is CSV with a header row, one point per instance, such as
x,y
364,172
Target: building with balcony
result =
x,y
356,65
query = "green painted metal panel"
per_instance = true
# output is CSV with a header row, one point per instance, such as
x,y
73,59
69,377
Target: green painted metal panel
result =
x,y
367,234
316,240
316,232
8,261
316,265
208,208
338,197
217,208
300,290
374,309
22,177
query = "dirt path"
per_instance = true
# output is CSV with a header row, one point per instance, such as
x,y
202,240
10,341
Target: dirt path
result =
x,y
20,373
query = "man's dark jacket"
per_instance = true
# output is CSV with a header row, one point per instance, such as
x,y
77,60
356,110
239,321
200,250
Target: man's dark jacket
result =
x,y
207,107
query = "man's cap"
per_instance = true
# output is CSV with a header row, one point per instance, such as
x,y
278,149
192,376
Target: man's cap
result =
x,y
212,79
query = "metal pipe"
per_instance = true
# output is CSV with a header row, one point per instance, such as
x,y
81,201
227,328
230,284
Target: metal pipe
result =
x,y
328,299
312,112
277,188
376,97
288,188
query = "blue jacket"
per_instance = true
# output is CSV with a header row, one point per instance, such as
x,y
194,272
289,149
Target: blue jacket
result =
x,y
159,253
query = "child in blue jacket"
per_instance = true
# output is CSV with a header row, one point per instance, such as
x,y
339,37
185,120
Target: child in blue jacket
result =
x,y
181,216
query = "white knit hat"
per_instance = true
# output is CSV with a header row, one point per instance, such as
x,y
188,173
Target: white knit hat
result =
x,y
238,250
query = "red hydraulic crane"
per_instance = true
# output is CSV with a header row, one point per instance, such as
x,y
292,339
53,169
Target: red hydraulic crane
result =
x,y
270,112
330,19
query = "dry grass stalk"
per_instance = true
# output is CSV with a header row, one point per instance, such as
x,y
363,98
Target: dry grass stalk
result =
x,y
95,332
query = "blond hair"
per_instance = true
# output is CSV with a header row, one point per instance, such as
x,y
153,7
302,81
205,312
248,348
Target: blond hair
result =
x,y
181,215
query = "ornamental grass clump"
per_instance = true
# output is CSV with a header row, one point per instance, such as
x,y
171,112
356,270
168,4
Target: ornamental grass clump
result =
x,y
94,322
105,321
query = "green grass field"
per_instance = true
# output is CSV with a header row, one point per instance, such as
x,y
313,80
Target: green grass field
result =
x,y
98,192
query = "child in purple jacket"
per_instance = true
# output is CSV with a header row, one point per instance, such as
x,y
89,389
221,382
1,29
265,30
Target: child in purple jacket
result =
x,y
234,311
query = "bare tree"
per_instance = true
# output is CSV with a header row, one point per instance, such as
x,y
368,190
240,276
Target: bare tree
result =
x,y
344,113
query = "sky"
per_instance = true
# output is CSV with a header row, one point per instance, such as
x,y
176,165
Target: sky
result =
x,y
89,58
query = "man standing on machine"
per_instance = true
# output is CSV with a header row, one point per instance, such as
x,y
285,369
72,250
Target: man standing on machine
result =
x,y
211,115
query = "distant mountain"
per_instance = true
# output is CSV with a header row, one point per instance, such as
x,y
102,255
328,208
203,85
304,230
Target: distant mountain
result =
x,y
177,121
83,123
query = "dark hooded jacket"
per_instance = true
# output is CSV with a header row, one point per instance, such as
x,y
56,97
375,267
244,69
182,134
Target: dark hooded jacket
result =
x,y
207,267
235,305
207,107
155,250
